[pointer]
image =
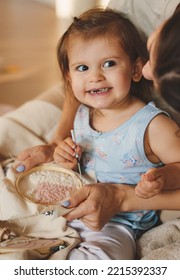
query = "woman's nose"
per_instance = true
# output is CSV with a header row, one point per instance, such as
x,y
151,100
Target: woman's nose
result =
x,y
147,71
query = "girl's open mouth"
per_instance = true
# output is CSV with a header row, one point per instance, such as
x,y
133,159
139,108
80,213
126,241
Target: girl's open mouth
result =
x,y
99,90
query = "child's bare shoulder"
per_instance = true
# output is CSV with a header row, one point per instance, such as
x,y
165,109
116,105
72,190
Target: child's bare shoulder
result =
x,y
162,122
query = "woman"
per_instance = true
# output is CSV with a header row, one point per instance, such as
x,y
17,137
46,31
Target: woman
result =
x,y
164,64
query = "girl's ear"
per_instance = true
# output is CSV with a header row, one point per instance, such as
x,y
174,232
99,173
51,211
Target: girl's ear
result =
x,y
137,70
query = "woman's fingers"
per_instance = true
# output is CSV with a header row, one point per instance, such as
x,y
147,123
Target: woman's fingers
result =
x,y
33,156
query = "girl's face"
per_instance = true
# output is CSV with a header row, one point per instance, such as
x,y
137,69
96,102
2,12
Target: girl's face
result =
x,y
100,72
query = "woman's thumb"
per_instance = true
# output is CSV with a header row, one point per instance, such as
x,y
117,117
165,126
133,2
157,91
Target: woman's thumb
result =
x,y
76,198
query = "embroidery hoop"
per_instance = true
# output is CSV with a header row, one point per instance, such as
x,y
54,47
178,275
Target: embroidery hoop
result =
x,y
24,189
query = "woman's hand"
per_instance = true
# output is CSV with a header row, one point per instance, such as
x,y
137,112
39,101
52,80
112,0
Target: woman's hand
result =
x,y
94,204
34,156
65,153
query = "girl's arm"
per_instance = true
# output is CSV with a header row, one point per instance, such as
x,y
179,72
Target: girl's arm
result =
x,y
162,143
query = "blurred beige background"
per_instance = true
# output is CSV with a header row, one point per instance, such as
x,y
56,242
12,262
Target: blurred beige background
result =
x,y
29,32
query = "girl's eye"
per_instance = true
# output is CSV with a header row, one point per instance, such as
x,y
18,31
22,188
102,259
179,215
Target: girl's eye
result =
x,y
82,68
109,63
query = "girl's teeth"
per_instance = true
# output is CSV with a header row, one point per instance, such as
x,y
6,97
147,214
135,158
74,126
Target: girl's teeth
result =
x,y
99,90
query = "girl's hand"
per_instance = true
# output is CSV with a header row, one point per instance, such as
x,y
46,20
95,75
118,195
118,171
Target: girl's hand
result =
x,y
34,156
152,183
65,153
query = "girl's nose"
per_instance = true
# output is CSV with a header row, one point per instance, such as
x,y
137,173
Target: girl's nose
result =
x,y
96,76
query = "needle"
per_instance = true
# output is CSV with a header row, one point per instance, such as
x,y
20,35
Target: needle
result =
x,y
77,156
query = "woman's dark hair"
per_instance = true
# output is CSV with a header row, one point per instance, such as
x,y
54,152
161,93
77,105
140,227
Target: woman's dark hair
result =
x,y
106,22
167,64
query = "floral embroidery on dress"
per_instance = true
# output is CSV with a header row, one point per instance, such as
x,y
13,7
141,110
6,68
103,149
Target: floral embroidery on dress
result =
x,y
129,160
101,153
122,179
118,138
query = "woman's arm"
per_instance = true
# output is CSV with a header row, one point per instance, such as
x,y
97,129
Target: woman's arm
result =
x,y
91,203
44,153
166,200
67,118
